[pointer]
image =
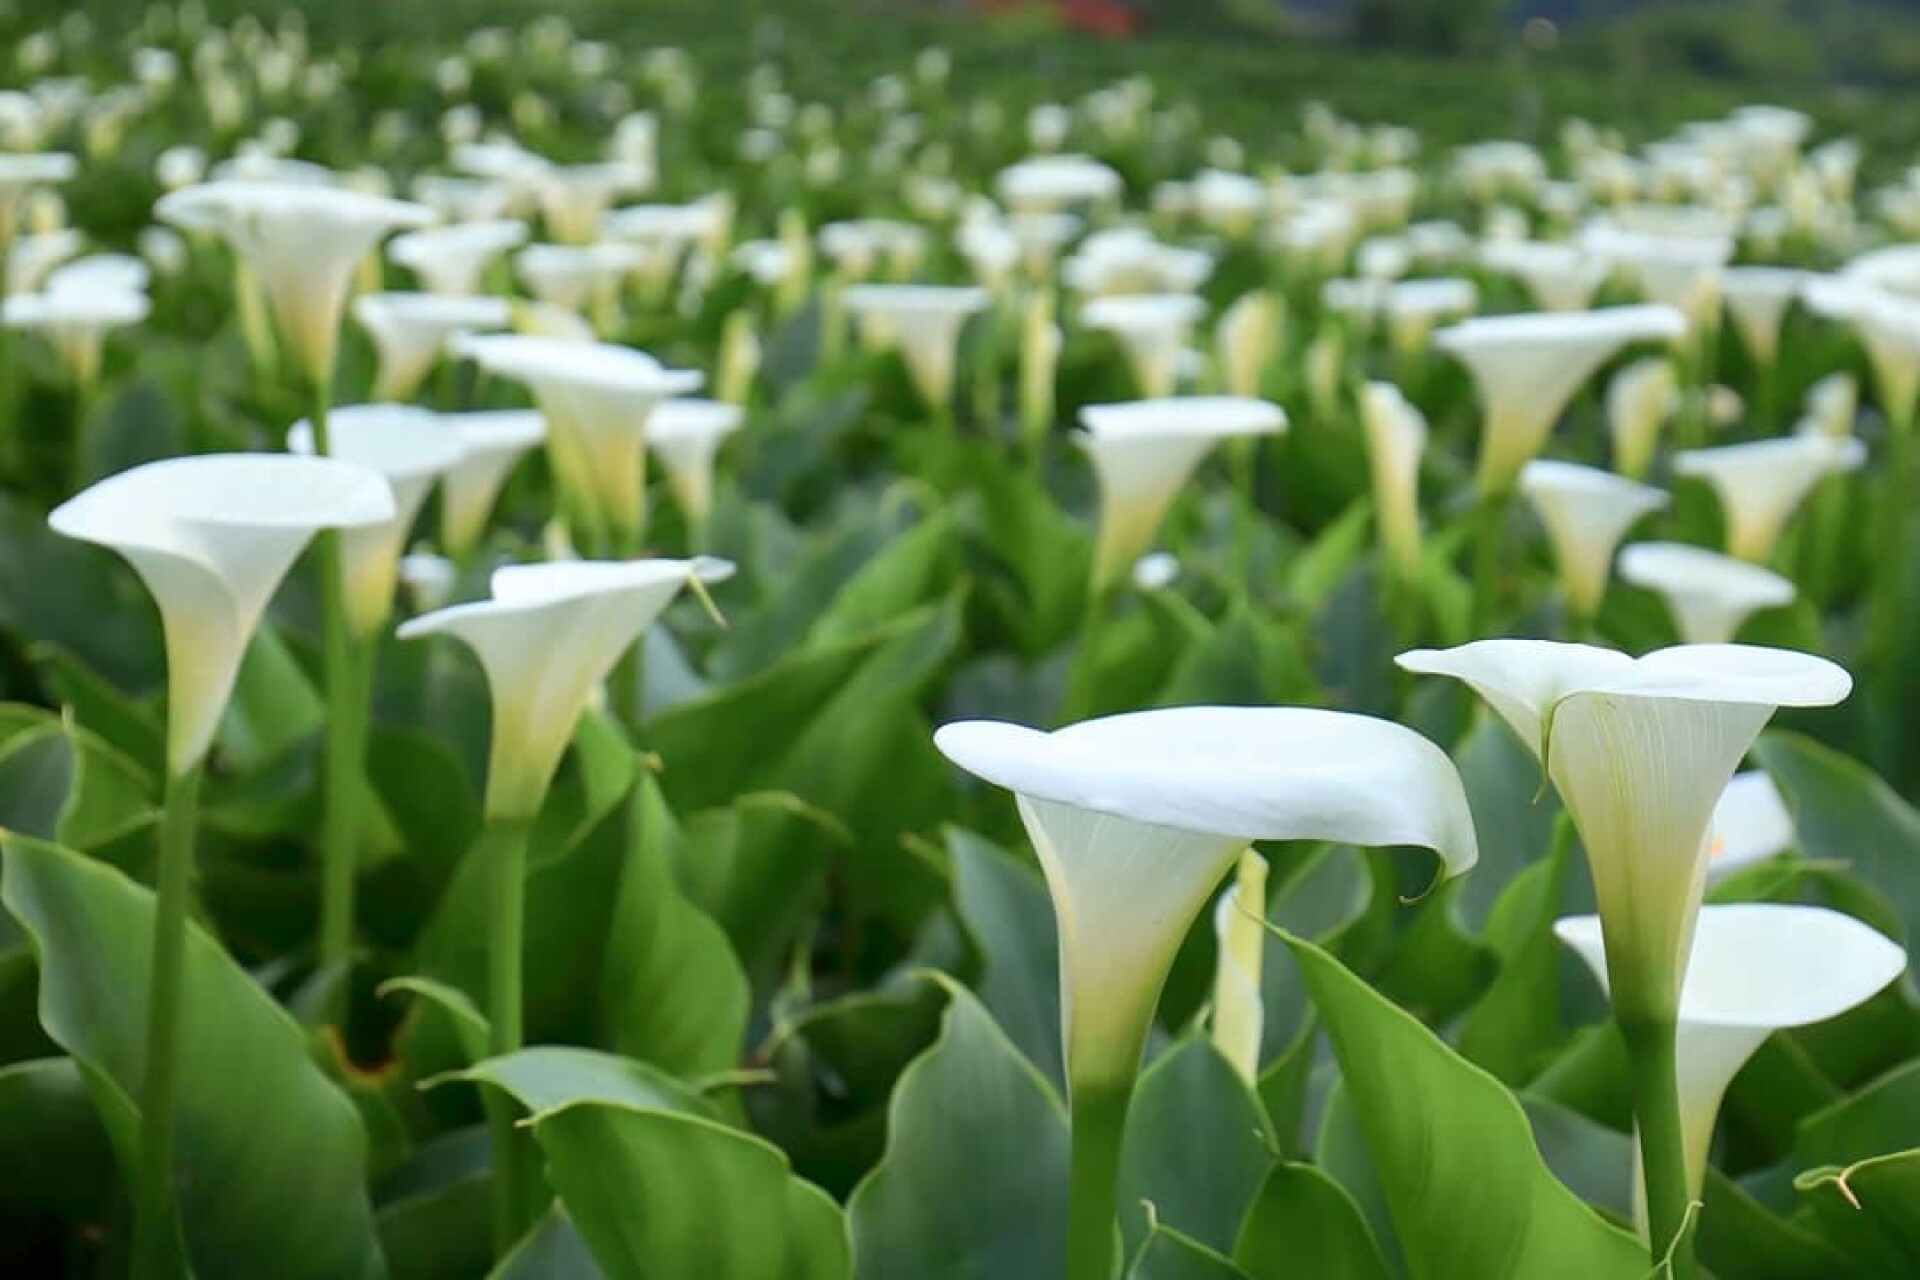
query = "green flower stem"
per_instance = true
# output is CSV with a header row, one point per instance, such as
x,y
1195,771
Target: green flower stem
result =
x,y
1083,669
1652,1061
1099,1118
1489,523
503,853
1889,606
345,740
1245,457
154,1241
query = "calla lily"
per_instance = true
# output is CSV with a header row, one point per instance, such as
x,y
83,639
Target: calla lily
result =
x,y
1123,260
1708,594
32,258
1396,438
1413,307
546,640
863,247
410,329
302,243
1832,403
573,198
411,448
211,537
1527,367
1586,512
75,321
1561,277
1889,328
1143,451
572,275
1640,398
1246,337
1055,183
1750,824
428,580
1153,329
1753,969
452,259
1757,299
22,173
491,442
1640,750
597,398
687,434
1135,819
1680,267
923,323
1240,935
101,273
1763,482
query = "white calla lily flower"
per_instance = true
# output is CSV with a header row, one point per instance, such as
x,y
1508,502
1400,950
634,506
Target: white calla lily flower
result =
x,y
211,536
411,448
1750,825
572,275
409,331
1832,403
923,323
428,580
303,243
1709,595
1153,329
1056,183
597,398
1753,969
100,273
453,259
1136,818
75,320
1527,367
33,257
547,639
1888,326
1757,299
1396,440
492,441
1246,338
1640,750
1586,512
1761,483
1144,451
1561,277
22,173
1240,936
687,435
574,197
1640,399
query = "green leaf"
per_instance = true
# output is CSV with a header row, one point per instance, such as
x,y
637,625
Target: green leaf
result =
x,y
1738,1238
435,1211
665,1193
1468,1192
1515,1027
1197,1148
1303,1223
51,1137
1515,821
1168,1255
912,570
553,1250
274,705
974,1179
470,1026
245,1207
671,991
36,773
1003,905
548,1077
1871,1210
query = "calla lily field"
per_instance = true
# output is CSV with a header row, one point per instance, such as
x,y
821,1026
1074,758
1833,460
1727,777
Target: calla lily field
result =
x,y
624,661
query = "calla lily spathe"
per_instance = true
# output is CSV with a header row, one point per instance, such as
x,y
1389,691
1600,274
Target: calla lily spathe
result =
x,y
1396,434
1144,451
24,172
1761,483
546,640
303,242
451,260
1153,329
1750,824
1640,398
1586,512
491,442
1561,277
410,448
1640,750
1527,367
1831,404
1246,338
923,323
687,435
1757,299
597,398
1752,969
1240,935
409,331
1709,595
1136,818
211,537
1888,326
75,322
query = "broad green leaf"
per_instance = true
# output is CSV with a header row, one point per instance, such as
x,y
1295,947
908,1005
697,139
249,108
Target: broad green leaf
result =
x,y
1738,1237
1516,1025
911,571
1197,1148
250,1092
273,706
469,1024
51,1136
973,1183
553,1250
547,1077
435,1211
1514,819
1871,1211
665,1193
1303,1223
1595,1162
1003,905
1466,1187
1166,1254
671,990
36,774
